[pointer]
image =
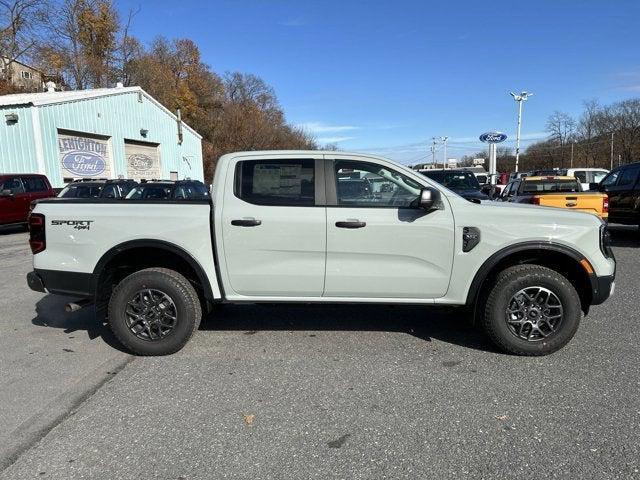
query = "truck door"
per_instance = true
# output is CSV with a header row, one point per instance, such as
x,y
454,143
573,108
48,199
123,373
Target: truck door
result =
x,y
14,201
625,190
274,227
619,185
378,244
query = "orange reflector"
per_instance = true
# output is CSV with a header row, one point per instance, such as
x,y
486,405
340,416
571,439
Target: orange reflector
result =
x,y
587,266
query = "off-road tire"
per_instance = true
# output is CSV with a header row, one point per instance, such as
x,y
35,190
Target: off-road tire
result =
x,y
176,286
506,285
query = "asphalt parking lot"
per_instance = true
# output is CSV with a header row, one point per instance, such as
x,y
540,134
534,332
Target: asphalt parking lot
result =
x,y
353,392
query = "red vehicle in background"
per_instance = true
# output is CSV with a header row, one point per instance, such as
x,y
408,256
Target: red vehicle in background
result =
x,y
17,191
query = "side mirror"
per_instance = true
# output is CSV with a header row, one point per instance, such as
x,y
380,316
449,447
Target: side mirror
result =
x,y
6,193
429,198
594,186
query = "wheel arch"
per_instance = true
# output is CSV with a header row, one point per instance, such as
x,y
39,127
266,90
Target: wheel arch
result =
x,y
561,258
145,253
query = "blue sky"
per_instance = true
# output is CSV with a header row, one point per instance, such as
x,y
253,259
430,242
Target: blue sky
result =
x,y
386,76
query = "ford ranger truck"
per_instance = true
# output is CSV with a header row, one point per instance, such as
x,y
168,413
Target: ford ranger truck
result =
x,y
557,191
287,226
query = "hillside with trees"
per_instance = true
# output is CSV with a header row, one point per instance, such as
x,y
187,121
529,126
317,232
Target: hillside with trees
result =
x,y
88,44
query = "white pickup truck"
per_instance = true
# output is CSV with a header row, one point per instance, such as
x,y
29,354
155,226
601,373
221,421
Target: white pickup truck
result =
x,y
322,227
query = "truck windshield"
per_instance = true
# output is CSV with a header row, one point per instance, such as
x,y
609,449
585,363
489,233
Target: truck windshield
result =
x,y
551,186
454,180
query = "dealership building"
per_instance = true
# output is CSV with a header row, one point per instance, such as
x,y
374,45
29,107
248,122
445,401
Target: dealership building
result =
x,y
119,132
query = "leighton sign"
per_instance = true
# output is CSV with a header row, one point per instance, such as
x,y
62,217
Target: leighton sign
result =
x,y
493,137
83,156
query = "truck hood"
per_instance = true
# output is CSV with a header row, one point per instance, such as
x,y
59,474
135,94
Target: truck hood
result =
x,y
532,214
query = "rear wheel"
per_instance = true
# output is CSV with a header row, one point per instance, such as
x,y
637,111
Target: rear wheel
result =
x,y
531,310
154,311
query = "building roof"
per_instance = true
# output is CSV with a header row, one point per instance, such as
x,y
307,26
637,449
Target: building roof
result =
x,y
51,98
7,60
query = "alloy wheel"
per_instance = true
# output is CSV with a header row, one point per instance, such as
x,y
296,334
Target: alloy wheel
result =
x,y
151,314
534,313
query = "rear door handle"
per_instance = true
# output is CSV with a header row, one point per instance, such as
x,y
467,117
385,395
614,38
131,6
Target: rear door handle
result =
x,y
351,224
246,222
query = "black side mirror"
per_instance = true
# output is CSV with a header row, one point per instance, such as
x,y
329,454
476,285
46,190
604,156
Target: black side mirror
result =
x,y
593,186
6,193
429,198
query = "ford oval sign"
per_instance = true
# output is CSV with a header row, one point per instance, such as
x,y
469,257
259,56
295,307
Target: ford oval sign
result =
x,y
493,137
140,162
84,164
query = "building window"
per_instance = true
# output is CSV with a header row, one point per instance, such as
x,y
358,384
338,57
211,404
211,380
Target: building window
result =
x,y
27,75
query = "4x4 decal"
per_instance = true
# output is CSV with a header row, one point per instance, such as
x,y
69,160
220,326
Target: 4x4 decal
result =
x,y
77,224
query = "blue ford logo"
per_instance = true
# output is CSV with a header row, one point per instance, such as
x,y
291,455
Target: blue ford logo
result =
x,y
493,137
84,164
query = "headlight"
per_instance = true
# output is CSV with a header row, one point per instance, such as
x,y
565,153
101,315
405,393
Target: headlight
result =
x,y
605,241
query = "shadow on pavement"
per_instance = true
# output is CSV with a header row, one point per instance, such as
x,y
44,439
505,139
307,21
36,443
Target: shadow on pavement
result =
x,y
452,325
624,236
50,313
426,323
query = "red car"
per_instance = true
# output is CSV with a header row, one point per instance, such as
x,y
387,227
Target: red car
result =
x,y
17,191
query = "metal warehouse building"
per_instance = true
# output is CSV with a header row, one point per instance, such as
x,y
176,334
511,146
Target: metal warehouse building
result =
x,y
101,133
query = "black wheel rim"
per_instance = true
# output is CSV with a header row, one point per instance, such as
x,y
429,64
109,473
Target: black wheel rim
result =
x,y
151,314
534,313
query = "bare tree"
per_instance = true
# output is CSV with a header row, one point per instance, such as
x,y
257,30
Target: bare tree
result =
x,y
561,128
588,131
19,29
623,119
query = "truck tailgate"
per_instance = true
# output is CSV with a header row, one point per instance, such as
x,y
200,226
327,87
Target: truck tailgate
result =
x,y
596,203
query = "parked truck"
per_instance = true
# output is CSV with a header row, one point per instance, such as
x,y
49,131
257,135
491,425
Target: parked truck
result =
x,y
556,191
281,227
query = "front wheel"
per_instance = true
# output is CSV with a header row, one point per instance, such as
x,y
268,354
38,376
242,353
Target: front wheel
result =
x,y
154,311
531,310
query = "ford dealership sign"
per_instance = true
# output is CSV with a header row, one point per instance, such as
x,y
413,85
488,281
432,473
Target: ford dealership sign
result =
x,y
84,164
493,137
140,162
83,156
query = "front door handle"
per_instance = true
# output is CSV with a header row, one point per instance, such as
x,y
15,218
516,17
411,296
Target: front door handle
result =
x,y
351,224
246,222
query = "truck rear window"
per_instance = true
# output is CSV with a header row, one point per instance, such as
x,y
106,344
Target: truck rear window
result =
x,y
551,186
276,182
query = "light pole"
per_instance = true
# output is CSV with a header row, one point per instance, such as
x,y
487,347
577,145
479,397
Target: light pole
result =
x,y
522,97
444,163
433,152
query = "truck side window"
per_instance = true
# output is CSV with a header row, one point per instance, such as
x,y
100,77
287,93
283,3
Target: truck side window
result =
x,y
581,175
628,176
360,184
13,184
34,184
598,176
280,182
611,178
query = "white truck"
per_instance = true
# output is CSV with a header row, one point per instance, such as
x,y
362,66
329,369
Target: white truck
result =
x,y
304,226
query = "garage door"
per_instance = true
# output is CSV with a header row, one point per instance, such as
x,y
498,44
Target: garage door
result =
x,y
143,160
83,155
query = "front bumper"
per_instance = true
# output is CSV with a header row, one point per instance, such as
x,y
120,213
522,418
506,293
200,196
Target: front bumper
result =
x,y
603,287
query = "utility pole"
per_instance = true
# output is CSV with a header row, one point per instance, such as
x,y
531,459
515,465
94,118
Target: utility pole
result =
x,y
572,144
522,97
611,168
444,163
